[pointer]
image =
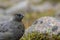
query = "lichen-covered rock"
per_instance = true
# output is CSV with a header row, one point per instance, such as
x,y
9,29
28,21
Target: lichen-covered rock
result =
x,y
45,25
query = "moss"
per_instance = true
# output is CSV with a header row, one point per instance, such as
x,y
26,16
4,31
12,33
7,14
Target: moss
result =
x,y
40,36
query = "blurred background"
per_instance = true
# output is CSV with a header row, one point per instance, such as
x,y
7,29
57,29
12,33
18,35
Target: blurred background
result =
x,y
31,9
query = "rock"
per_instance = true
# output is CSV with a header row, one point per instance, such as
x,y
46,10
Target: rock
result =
x,y
45,25
13,29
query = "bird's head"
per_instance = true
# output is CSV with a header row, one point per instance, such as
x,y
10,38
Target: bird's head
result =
x,y
18,17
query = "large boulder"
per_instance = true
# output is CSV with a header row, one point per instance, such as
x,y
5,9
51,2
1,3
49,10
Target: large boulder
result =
x,y
45,25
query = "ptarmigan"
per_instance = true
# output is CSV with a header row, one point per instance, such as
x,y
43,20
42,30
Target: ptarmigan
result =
x,y
12,30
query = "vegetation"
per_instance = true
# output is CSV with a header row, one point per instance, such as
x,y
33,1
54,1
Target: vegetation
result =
x,y
40,36
56,1
31,17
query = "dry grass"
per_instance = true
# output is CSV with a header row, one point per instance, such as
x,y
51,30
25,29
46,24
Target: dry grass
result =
x,y
31,17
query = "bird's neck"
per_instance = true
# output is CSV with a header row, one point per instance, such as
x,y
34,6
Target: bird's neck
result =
x,y
16,20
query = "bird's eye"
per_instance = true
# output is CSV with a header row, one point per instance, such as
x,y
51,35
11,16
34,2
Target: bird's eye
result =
x,y
18,15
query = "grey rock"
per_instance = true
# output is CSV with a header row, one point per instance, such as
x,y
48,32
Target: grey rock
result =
x,y
13,29
45,25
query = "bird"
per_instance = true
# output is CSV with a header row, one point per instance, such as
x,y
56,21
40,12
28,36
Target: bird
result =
x,y
12,30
